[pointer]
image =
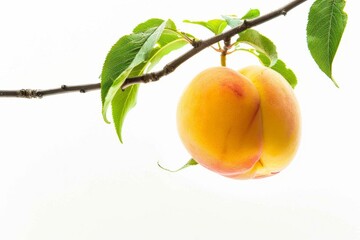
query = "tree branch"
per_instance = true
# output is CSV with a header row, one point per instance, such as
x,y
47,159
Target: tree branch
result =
x,y
33,93
198,46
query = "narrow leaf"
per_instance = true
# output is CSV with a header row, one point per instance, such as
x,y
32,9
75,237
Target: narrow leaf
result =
x,y
122,103
325,27
216,26
260,43
168,35
169,41
190,163
164,50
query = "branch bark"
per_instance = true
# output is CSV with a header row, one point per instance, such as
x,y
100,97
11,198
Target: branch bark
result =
x,y
198,46
34,93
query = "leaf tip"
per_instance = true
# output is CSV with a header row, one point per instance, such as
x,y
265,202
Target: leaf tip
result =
x,y
120,138
191,162
335,83
104,114
163,168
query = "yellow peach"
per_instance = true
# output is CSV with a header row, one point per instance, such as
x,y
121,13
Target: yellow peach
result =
x,y
243,124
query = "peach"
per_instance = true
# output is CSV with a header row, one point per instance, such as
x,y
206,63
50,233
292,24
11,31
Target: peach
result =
x,y
243,124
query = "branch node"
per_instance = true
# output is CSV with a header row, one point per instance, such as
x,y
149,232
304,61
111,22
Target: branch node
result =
x,y
82,90
168,69
63,87
196,43
245,24
39,94
284,12
153,77
28,93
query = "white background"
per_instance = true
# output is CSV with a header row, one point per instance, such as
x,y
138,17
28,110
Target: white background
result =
x,y
64,174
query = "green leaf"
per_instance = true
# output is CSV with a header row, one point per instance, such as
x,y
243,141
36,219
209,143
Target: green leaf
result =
x,y
122,103
149,24
280,67
260,43
286,72
169,41
325,27
169,35
125,100
216,26
130,51
118,60
164,50
233,21
131,56
190,163
251,14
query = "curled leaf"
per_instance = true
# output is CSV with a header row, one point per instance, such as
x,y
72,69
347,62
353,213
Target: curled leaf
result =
x,y
260,43
216,26
190,163
233,21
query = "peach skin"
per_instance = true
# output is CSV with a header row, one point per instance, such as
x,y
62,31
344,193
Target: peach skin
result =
x,y
242,124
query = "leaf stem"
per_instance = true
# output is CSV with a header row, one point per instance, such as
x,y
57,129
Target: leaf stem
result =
x,y
198,46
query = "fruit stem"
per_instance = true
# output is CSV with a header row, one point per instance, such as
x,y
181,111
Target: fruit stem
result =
x,y
223,60
225,49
